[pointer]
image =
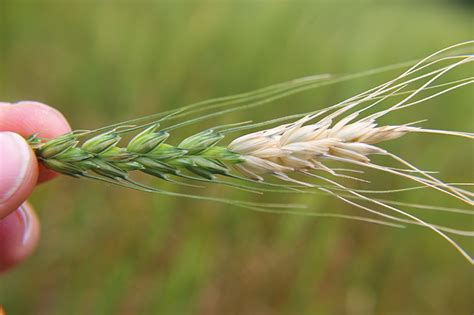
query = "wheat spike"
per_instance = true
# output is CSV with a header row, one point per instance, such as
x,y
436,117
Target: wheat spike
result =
x,y
346,133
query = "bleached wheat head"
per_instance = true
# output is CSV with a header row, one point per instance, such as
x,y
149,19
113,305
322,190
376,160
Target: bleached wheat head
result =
x,y
347,132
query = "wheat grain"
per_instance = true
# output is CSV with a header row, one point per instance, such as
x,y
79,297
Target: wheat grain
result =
x,y
339,133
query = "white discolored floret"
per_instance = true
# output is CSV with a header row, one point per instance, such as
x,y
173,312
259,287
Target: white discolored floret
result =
x,y
299,147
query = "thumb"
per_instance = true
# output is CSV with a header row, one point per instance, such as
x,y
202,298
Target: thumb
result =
x,y
18,172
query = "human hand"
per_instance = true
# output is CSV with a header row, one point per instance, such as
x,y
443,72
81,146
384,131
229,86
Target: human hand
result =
x,y
20,173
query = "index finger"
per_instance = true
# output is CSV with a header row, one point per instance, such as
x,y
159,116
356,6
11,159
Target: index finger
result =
x,y
27,118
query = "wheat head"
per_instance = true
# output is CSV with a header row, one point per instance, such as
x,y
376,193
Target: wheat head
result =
x,y
346,132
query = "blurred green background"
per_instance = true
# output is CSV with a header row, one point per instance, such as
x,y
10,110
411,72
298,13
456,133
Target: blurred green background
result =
x,y
107,250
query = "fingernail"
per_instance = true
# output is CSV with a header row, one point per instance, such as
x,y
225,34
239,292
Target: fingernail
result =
x,y
25,220
18,235
14,161
19,222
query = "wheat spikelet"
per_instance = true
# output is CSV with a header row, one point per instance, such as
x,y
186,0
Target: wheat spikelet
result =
x,y
345,133
146,152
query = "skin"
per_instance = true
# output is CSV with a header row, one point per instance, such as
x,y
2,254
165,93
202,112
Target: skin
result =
x,y
20,173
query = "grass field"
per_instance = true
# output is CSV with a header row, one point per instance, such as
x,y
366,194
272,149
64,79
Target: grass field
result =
x,y
108,250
